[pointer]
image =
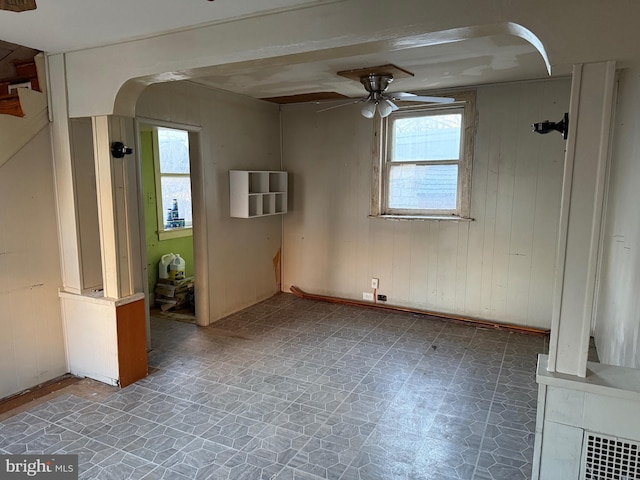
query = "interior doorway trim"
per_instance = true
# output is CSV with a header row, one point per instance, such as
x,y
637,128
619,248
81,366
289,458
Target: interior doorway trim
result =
x,y
200,230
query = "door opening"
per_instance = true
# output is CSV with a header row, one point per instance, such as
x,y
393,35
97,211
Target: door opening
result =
x,y
166,158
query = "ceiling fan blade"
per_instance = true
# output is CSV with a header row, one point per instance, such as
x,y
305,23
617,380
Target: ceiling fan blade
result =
x,y
410,97
342,105
18,5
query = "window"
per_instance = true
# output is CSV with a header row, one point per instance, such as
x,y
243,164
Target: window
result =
x,y
173,182
424,166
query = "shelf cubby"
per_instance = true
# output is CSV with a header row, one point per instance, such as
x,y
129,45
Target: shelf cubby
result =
x,y
256,193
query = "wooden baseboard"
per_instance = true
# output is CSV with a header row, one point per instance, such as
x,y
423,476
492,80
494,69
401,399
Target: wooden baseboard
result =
x,y
473,321
31,394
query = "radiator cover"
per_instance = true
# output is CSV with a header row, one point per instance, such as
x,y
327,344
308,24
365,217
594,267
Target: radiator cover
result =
x,y
609,458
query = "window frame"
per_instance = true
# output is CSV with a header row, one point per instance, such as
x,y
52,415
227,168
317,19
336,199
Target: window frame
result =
x,y
187,230
464,103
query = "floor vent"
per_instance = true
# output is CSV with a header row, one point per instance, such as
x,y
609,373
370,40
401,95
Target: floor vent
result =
x,y
610,458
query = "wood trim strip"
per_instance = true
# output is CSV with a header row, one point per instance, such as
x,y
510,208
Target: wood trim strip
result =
x,y
473,321
22,398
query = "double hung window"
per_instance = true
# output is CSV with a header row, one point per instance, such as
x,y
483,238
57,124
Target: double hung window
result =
x,y
424,168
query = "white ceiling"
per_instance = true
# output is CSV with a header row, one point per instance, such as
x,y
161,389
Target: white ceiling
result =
x,y
67,25
485,60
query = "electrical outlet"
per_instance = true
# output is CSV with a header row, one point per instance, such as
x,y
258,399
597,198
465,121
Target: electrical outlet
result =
x,y
374,283
382,298
367,296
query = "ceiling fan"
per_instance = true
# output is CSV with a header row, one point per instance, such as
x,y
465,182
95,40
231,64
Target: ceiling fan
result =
x,y
377,100
18,5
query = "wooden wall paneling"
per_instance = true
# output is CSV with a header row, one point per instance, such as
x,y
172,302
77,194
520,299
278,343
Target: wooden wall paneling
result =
x,y
419,266
84,173
26,338
462,262
525,182
401,254
479,190
381,262
617,328
31,339
447,264
425,253
489,131
507,116
547,213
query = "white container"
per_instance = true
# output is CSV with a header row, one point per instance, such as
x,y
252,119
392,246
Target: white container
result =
x,y
176,268
163,265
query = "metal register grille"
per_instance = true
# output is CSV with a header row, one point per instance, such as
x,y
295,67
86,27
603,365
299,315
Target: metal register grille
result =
x,y
610,458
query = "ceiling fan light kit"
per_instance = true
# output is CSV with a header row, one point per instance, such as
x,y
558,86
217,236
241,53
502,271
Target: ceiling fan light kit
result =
x,y
386,107
368,109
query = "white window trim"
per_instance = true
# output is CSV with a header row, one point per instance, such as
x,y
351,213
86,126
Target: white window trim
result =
x,y
163,234
467,101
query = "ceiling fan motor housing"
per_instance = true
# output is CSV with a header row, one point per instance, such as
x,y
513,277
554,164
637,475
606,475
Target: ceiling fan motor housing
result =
x,y
375,82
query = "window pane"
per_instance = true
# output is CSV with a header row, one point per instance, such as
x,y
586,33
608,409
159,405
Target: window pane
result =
x,y
178,188
173,146
423,187
431,137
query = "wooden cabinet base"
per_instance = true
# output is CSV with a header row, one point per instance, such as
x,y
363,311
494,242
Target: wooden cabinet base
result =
x,y
132,343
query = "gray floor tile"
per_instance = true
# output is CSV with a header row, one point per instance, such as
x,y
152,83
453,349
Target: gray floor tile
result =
x,y
19,427
59,408
51,439
291,389
440,459
293,474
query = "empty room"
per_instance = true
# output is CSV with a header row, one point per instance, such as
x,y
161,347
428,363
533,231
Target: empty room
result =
x,y
405,234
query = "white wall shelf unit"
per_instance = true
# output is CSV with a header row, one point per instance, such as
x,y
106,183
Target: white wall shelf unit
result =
x,y
254,193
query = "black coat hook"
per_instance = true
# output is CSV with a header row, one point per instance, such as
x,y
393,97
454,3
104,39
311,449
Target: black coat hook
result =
x,y
119,150
545,127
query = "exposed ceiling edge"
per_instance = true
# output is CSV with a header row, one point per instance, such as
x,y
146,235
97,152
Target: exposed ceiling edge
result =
x,y
306,97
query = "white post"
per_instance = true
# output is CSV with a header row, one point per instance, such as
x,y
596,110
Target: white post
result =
x,y
66,207
117,208
590,113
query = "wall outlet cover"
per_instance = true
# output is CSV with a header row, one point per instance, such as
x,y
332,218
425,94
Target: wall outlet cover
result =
x,y
367,296
374,283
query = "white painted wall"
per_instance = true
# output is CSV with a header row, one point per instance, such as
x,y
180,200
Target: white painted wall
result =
x,y
499,267
617,331
31,338
237,133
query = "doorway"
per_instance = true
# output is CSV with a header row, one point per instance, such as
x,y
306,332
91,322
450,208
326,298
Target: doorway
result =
x,y
166,156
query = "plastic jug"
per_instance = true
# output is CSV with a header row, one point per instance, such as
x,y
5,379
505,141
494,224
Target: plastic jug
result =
x,y
163,266
176,268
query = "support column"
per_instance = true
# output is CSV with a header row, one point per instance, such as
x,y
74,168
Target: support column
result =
x,y
117,208
68,231
592,99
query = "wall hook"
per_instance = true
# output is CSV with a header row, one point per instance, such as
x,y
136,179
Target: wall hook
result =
x,y
119,150
545,127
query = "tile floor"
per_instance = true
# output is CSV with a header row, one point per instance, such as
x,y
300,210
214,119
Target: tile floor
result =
x,y
293,389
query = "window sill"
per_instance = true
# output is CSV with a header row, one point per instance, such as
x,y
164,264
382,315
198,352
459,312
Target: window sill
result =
x,y
446,218
175,233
